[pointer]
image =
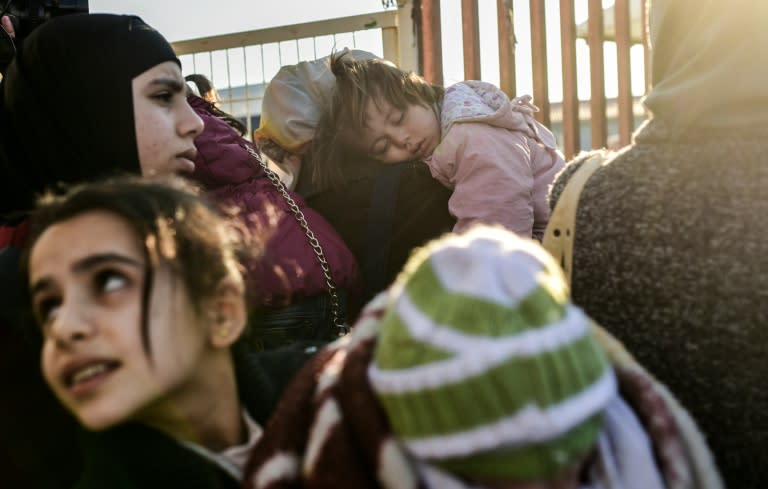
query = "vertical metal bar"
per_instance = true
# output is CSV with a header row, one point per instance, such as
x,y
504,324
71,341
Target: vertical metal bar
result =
x,y
595,39
431,48
229,81
263,67
507,79
571,129
210,65
626,117
248,124
539,58
471,30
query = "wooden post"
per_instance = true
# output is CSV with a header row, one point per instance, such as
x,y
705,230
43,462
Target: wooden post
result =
x,y
626,117
571,129
539,57
471,32
507,79
431,48
646,46
597,74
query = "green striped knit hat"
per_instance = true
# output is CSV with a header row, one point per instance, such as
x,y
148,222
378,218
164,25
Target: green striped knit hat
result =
x,y
482,364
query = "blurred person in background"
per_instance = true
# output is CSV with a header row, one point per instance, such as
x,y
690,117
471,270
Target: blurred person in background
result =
x,y
671,246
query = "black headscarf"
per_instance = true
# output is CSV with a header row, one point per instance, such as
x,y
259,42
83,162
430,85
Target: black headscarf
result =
x,y
67,105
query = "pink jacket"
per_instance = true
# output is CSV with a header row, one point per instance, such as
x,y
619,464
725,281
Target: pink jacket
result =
x,y
496,157
288,269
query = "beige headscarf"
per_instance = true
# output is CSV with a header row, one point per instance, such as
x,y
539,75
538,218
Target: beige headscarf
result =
x,y
710,63
294,100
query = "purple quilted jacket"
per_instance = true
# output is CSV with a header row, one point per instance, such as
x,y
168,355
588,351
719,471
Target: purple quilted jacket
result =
x,y
288,269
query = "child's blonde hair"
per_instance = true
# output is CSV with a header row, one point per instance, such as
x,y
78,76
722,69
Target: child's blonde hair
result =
x,y
358,82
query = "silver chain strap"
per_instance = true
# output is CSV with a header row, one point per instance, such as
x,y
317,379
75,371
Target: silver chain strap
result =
x,y
313,241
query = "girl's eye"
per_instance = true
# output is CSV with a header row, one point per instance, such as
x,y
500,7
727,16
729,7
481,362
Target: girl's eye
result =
x,y
165,97
110,280
45,309
401,118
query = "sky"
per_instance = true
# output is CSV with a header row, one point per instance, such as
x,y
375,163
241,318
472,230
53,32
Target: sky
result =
x,y
188,19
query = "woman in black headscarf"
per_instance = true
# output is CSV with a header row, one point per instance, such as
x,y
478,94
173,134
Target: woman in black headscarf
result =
x,y
86,96
69,105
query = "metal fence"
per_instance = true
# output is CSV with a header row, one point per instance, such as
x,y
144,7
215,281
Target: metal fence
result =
x,y
241,64
583,76
617,28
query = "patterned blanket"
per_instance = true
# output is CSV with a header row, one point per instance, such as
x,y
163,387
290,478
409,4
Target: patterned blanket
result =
x,y
330,432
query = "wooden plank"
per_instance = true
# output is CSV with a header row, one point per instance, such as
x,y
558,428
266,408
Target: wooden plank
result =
x,y
408,57
539,58
431,42
286,33
626,117
646,47
598,121
391,45
507,78
571,131
470,28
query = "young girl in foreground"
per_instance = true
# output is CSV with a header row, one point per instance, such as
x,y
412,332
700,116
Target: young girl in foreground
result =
x,y
488,149
140,342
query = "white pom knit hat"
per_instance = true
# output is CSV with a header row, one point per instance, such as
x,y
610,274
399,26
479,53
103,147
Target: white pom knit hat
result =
x,y
483,365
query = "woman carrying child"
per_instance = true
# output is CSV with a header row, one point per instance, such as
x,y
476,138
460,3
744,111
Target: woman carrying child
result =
x,y
301,287
381,211
498,160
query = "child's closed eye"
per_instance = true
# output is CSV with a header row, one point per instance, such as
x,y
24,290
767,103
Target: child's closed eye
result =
x,y
380,148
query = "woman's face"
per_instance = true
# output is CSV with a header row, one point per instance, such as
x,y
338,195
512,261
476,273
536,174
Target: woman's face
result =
x,y
166,125
86,295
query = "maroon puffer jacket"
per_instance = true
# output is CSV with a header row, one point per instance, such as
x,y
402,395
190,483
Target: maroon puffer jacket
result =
x,y
288,270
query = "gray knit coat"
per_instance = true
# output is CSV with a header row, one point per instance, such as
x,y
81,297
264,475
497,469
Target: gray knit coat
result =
x,y
671,256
